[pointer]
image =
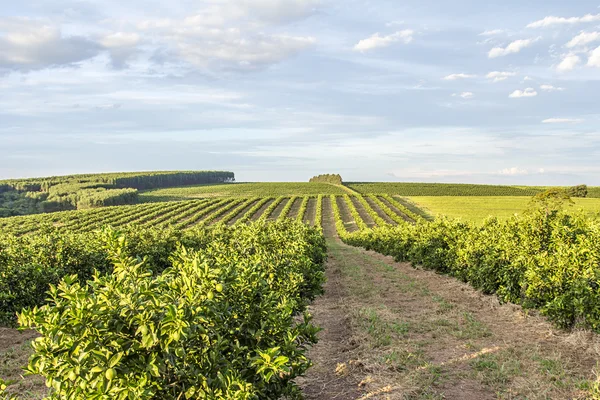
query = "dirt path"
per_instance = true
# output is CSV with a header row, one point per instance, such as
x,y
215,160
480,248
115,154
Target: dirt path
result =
x,y
311,211
391,331
331,377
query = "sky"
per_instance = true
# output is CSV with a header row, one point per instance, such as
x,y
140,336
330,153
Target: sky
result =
x,y
502,92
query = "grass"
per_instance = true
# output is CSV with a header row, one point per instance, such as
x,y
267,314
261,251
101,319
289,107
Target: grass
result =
x,y
263,189
416,340
478,208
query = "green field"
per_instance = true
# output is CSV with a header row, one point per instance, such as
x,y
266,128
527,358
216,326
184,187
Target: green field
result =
x,y
477,208
262,189
238,236
451,189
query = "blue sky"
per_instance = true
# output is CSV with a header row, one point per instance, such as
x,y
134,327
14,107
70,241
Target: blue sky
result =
x,y
276,90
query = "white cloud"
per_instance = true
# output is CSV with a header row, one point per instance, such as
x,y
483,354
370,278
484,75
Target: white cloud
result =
x,y
583,39
550,88
513,171
492,32
454,77
31,44
562,121
529,92
464,95
551,21
250,53
278,10
594,60
568,63
232,35
120,39
378,41
121,47
513,47
498,76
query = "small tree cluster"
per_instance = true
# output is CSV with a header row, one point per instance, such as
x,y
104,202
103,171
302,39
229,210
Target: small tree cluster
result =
x,y
335,179
578,191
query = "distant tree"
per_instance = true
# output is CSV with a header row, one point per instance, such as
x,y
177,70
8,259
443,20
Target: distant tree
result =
x,y
335,179
578,191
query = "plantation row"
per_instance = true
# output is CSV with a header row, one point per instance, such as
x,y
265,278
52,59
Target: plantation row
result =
x,y
546,259
263,189
43,195
377,210
459,189
211,313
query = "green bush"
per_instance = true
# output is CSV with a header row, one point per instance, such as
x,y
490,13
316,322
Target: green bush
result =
x,y
218,323
578,191
547,259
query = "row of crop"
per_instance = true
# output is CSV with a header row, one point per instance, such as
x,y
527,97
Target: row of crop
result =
x,y
269,210
337,217
221,321
287,208
74,220
178,214
195,207
231,215
173,214
319,212
201,214
388,211
372,213
354,213
548,261
302,210
415,217
225,210
118,216
253,210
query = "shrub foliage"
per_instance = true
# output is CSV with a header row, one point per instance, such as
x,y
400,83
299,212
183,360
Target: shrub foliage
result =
x,y
219,322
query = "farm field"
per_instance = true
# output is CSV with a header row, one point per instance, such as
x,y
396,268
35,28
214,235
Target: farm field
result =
x,y
241,190
187,214
451,189
478,208
447,338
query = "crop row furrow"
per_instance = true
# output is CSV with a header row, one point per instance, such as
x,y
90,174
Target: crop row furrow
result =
x,y
253,210
195,218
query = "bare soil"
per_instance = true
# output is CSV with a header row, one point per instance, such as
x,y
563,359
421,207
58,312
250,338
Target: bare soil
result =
x,y
311,211
396,210
295,208
242,212
347,217
261,210
277,211
380,212
362,212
